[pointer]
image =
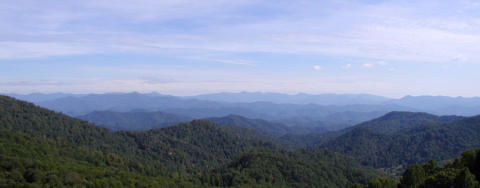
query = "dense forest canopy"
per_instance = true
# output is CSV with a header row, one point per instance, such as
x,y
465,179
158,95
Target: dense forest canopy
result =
x,y
41,147
442,139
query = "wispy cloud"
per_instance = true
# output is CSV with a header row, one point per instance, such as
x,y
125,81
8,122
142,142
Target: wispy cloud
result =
x,y
368,65
12,50
347,66
317,67
221,59
376,64
75,27
382,63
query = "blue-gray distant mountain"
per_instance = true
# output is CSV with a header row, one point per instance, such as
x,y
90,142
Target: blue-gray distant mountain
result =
x,y
144,120
301,98
41,97
134,120
124,102
121,102
441,105
81,104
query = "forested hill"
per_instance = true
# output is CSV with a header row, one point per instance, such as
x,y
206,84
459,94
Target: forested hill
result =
x,y
41,147
180,146
266,127
462,172
399,121
301,168
272,129
134,120
438,141
392,122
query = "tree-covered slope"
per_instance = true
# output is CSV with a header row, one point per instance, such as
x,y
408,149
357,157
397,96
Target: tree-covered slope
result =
x,y
268,128
191,146
39,147
134,120
440,141
463,172
26,161
302,168
276,129
399,121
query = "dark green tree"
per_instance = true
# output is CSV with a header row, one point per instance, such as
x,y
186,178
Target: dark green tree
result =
x,y
413,177
382,183
466,180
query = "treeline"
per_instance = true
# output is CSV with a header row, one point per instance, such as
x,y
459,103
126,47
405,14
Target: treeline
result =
x,y
300,168
463,172
26,161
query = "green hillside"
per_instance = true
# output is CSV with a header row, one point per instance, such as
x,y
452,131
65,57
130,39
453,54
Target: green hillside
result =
x,y
135,120
438,141
41,147
463,172
301,168
400,121
33,162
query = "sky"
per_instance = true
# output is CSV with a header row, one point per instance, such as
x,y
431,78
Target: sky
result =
x,y
183,47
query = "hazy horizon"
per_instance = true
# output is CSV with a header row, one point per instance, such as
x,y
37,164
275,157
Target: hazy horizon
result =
x,y
385,48
239,92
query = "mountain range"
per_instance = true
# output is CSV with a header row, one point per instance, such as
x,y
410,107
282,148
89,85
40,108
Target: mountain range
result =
x,y
244,103
43,147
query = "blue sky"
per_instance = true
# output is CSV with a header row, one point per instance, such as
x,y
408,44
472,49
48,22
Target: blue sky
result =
x,y
389,48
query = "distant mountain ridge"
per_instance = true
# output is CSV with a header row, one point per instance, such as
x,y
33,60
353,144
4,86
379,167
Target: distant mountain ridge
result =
x,y
301,98
41,97
121,102
144,120
441,105
85,103
334,117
